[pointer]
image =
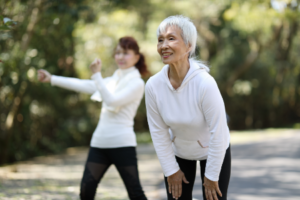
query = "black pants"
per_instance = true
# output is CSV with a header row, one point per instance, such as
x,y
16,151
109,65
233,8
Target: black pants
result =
x,y
98,162
188,167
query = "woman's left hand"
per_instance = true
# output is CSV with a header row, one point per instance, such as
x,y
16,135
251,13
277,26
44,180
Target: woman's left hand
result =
x,y
96,66
211,189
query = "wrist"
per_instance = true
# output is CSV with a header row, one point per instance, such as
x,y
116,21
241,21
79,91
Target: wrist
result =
x,y
96,76
174,174
96,71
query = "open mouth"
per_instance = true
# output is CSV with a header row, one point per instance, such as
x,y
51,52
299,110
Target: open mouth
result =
x,y
166,55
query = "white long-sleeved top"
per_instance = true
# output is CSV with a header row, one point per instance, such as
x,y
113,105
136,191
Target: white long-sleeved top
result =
x,y
115,127
189,122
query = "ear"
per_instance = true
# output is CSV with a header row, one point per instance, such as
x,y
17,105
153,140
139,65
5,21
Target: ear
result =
x,y
189,48
137,57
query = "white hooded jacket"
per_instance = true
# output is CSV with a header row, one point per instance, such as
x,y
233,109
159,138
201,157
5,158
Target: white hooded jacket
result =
x,y
121,95
189,122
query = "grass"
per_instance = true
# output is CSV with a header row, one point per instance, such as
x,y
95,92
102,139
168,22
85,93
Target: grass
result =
x,y
143,138
238,137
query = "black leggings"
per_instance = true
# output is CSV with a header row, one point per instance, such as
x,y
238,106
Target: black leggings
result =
x,y
98,162
188,167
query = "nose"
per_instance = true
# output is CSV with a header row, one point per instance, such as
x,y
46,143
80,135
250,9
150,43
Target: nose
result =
x,y
120,56
165,44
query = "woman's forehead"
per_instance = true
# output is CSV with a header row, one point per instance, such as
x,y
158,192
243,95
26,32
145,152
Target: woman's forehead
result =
x,y
170,30
120,48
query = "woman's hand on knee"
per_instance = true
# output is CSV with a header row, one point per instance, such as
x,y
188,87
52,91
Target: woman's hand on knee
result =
x,y
44,76
211,189
175,184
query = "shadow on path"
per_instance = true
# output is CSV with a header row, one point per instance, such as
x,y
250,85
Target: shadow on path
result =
x,y
267,170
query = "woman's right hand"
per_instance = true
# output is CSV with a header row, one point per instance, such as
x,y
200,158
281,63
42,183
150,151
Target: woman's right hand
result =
x,y
175,183
44,76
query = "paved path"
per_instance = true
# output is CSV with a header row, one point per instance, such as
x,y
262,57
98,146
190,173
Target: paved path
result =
x,y
265,170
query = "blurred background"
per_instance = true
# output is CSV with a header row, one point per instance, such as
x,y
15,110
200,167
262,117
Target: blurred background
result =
x,y
252,47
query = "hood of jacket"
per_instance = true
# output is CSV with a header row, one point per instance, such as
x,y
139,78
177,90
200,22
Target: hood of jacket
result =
x,y
195,68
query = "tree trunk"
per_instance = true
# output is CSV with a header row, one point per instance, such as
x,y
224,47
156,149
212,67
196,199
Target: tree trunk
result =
x,y
23,86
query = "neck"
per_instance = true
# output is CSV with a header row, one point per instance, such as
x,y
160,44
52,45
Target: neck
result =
x,y
124,69
177,72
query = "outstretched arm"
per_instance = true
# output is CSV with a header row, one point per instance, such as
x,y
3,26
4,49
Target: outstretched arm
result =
x,y
132,91
75,84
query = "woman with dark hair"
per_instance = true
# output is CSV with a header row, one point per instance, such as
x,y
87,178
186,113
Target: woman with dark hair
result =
x,y
114,140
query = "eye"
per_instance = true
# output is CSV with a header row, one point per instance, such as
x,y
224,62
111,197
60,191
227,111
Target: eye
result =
x,y
160,40
171,38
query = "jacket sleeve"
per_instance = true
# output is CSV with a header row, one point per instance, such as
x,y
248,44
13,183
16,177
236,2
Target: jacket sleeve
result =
x,y
160,135
134,90
215,115
75,84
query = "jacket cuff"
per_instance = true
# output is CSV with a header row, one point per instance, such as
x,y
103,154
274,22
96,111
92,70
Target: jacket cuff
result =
x,y
96,76
53,80
173,171
211,177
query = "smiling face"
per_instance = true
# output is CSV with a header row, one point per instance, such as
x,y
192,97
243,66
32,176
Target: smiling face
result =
x,y
171,46
125,58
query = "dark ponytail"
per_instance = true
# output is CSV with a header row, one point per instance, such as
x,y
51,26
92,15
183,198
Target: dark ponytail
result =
x,y
131,43
141,66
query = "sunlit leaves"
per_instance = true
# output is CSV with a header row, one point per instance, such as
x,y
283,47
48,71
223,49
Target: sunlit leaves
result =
x,y
6,23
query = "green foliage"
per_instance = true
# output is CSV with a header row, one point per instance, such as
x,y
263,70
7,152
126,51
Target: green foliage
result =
x,y
252,48
36,118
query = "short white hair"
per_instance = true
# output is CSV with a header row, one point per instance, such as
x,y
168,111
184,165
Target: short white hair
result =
x,y
188,30
188,34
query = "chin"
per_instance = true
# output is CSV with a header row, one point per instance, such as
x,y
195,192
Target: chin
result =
x,y
122,66
166,61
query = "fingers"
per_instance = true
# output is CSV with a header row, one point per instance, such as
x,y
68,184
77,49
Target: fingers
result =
x,y
209,195
219,191
41,70
95,66
95,61
214,194
173,191
179,190
98,61
175,184
44,76
176,191
184,180
41,76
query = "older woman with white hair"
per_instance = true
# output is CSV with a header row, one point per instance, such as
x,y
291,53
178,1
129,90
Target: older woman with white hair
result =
x,y
186,116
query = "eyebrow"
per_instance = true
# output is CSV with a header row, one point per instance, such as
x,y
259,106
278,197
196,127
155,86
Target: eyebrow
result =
x,y
172,33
